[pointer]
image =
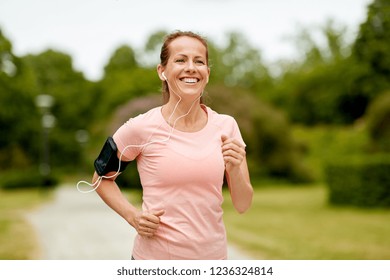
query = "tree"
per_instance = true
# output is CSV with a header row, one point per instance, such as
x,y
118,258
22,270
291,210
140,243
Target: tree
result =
x,y
74,103
19,122
237,64
315,89
123,80
371,51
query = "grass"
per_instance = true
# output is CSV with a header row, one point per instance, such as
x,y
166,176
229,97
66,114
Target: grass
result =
x,y
17,237
295,223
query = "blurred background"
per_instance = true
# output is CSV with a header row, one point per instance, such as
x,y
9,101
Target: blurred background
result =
x,y
307,81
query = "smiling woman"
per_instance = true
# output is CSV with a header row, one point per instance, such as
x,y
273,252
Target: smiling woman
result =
x,y
183,151
186,66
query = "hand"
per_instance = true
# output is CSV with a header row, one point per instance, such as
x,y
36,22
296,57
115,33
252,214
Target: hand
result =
x,y
147,223
233,152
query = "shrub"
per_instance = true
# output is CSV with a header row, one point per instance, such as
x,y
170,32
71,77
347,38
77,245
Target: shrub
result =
x,y
271,149
363,182
17,179
378,122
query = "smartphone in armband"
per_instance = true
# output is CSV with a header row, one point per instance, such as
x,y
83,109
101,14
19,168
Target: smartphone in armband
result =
x,y
108,160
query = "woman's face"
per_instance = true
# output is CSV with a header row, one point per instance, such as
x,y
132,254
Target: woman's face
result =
x,y
187,71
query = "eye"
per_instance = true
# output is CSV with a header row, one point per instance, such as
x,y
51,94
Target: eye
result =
x,y
179,60
200,62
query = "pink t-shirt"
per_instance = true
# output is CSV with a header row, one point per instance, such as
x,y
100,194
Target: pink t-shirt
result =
x,y
182,173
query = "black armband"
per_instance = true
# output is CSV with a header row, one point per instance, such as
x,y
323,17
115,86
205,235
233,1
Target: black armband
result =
x,y
108,160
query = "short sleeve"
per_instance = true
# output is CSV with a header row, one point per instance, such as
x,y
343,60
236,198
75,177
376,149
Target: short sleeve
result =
x,y
128,140
236,133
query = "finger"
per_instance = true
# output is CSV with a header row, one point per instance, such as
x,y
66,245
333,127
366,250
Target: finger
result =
x,y
146,233
232,160
149,224
234,151
159,213
232,144
150,217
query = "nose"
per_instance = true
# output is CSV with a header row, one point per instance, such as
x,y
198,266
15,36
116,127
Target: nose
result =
x,y
190,66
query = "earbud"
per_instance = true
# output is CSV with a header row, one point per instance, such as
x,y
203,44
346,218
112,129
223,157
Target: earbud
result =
x,y
163,74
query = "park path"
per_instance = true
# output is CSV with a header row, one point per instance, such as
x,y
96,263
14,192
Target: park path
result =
x,y
76,226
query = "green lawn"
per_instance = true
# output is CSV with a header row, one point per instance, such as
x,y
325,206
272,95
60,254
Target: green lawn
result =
x,y
297,223
17,238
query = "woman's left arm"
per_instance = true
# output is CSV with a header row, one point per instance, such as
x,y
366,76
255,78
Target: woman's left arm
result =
x,y
237,173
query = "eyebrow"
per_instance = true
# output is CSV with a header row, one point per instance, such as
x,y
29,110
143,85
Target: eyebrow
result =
x,y
198,56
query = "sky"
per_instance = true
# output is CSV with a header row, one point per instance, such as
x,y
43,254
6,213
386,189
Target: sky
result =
x,y
91,30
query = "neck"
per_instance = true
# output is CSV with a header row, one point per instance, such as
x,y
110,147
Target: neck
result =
x,y
184,114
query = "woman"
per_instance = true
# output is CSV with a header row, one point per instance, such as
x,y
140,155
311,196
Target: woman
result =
x,y
183,150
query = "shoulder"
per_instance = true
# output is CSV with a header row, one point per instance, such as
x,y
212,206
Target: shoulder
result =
x,y
148,118
152,114
220,120
226,124
139,125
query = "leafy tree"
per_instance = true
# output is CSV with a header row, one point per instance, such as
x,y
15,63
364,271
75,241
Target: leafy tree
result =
x,y
315,89
371,50
19,122
124,79
237,64
74,103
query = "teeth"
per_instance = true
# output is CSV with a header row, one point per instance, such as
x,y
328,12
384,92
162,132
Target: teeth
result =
x,y
190,80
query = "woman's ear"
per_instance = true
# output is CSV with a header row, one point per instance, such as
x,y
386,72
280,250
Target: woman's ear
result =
x,y
160,72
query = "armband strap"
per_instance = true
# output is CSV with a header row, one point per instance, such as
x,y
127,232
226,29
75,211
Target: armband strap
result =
x,y
108,160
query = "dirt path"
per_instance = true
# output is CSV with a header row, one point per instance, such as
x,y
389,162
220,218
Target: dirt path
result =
x,y
77,226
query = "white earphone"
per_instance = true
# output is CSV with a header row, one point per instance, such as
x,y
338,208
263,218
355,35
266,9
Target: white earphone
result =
x,y
163,74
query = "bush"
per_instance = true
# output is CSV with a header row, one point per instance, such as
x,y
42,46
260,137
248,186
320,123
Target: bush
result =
x,y
17,179
378,123
271,149
363,182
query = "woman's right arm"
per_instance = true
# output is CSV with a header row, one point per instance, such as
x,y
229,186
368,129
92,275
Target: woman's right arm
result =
x,y
145,223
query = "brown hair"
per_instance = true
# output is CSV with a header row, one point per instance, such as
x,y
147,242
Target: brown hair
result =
x,y
164,55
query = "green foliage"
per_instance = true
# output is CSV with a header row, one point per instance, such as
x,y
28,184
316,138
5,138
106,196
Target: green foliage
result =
x,y
29,178
73,99
124,79
238,64
317,88
378,123
323,144
371,50
18,116
271,149
363,181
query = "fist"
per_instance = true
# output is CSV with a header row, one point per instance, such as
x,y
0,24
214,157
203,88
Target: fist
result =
x,y
233,152
147,223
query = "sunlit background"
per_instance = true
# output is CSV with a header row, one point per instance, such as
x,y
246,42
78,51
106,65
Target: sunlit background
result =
x,y
307,81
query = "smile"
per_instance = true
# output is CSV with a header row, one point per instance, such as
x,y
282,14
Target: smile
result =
x,y
189,80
